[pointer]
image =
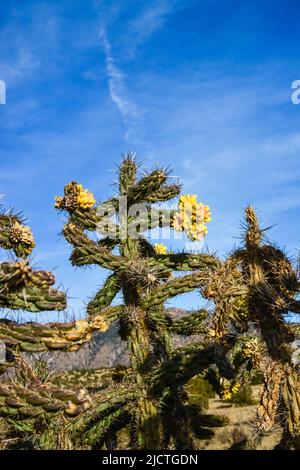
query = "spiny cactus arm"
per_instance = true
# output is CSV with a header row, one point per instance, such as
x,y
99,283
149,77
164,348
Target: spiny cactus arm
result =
x,y
103,431
157,218
37,337
266,297
91,378
159,319
105,402
188,261
165,193
147,187
176,429
253,233
174,287
19,402
127,173
15,236
105,295
190,324
89,252
158,191
231,311
291,400
33,300
92,218
187,362
293,306
21,287
277,334
19,274
80,204
147,419
226,281
280,404
277,267
86,219
267,411
108,243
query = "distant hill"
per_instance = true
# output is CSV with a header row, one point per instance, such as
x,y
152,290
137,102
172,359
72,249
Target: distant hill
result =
x,y
106,349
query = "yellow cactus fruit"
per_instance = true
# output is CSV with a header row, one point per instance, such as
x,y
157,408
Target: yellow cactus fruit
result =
x,y
75,196
85,200
192,217
203,212
99,323
235,388
177,222
226,395
58,202
187,202
160,249
22,235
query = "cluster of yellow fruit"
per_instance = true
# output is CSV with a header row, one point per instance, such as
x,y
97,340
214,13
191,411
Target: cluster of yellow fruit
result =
x,y
226,395
75,196
216,333
228,392
160,249
252,351
85,200
22,235
192,217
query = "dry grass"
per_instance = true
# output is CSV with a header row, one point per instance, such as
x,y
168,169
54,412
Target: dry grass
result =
x,y
239,426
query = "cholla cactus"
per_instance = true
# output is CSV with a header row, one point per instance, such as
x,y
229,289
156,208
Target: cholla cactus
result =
x,y
273,288
252,291
149,396
257,288
152,399
21,287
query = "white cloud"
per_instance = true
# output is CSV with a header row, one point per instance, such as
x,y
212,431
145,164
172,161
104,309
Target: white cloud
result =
x,y
117,89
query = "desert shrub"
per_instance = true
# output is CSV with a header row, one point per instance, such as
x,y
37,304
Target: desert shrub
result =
x,y
243,397
200,391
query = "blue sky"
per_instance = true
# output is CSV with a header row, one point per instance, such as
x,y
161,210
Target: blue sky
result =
x,y
204,86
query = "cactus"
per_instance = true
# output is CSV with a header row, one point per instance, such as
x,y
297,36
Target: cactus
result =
x,y
21,287
143,273
150,395
256,285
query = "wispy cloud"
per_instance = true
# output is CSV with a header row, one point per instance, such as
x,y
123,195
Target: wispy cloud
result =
x,y
136,31
146,23
117,88
190,84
